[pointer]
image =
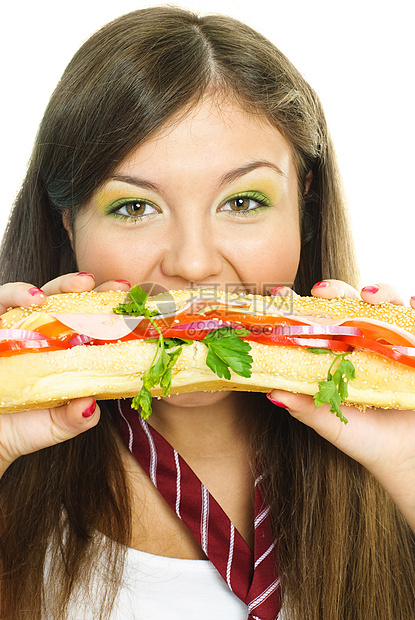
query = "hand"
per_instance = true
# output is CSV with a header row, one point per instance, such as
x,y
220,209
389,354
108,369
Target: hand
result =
x,y
375,294
381,440
28,431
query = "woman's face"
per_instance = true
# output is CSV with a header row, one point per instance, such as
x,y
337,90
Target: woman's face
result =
x,y
211,200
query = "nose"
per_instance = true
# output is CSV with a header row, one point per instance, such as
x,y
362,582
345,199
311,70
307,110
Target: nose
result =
x,y
192,254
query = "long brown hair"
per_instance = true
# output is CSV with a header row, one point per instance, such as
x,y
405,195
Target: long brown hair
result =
x,y
343,550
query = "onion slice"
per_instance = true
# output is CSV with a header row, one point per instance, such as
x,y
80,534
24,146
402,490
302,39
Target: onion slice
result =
x,y
79,339
279,330
20,334
410,351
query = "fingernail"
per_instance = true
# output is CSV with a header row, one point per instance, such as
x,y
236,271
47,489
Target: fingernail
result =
x,y
322,284
36,291
123,282
370,289
85,273
276,289
277,402
89,411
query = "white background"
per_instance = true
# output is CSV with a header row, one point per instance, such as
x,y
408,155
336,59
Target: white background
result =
x,y
358,55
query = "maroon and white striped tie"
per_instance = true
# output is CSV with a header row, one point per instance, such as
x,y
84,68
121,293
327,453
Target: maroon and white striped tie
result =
x,y
251,576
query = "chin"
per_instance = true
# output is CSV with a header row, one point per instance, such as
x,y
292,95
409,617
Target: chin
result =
x,y
195,399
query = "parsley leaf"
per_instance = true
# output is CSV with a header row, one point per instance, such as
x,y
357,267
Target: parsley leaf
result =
x,y
319,351
137,305
170,343
143,402
334,390
170,359
344,373
167,352
159,373
226,352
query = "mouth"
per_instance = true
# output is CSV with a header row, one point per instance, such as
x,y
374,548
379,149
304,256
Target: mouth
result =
x,y
243,288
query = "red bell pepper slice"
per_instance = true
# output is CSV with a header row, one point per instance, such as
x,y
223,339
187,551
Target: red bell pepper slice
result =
x,y
14,347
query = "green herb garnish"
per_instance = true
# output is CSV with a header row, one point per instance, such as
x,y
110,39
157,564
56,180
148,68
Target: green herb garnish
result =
x,y
226,351
334,389
137,305
159,373
167,352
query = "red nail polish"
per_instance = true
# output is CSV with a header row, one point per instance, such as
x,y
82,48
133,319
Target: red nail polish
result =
x,y
89,411
322,284
123,282
85,273
370,289
277,402
277,289
35,291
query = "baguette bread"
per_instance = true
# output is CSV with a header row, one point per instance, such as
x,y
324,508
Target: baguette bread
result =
x,y
37,379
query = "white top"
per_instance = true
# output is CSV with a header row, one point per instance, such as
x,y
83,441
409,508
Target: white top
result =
x,y
160,588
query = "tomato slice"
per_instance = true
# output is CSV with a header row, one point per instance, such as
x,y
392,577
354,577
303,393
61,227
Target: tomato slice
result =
x,y
48,326
14,347
364,343
186,334
294,341
383,333
262,338
56,329
147,330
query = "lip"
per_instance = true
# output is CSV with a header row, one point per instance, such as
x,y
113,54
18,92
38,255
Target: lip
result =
x,y
155,288
237,288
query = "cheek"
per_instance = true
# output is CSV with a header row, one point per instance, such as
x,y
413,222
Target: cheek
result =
x,y
109,255
107,264
272,258
93,253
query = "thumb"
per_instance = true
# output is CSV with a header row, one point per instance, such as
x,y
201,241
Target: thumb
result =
x,y
28,431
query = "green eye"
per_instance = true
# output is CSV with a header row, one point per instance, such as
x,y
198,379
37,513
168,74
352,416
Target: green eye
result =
x,y
132,209
245,203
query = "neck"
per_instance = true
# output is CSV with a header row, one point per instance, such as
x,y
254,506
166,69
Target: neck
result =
x,y
201,427
212,433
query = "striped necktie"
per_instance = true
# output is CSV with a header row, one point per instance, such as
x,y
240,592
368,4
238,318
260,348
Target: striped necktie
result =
x,y
251,576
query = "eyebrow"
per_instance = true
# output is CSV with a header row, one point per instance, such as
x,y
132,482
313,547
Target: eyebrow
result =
x,y
228,177
125,178
233,175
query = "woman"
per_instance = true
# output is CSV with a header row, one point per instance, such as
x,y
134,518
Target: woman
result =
x,y
181,150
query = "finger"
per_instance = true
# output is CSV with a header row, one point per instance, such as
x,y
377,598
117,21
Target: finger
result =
x,y
70,283
367,435
330,289
16,294
350,438
412,302
283,291
302,408
82,282
30,431
380,293
114,285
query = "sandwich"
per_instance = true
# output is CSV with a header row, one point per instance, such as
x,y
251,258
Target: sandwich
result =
x,y
116,345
